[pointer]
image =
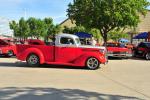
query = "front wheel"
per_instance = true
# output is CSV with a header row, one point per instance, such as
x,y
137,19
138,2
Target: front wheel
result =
x,y
147,56
92,63
33,60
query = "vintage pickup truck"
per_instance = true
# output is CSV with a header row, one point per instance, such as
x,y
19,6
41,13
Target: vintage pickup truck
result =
x,y
6,48
66,50
118,50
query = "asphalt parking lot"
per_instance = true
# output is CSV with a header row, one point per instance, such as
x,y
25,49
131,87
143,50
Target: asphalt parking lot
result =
x,y
127,79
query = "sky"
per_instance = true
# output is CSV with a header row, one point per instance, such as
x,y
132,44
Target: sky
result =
x,y
15,9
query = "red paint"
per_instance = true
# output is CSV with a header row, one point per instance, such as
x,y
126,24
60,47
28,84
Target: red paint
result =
x,y
142,49
116,50
6,46
74,56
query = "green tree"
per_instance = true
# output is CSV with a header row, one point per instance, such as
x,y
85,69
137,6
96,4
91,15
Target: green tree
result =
x,y
24,29
73,30
116,35
56,29
32,24
15,27
37,27
107,15
96,33
51,28
33,27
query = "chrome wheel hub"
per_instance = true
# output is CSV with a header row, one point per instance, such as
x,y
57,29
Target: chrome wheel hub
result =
x,y
92,63
148,56
33,59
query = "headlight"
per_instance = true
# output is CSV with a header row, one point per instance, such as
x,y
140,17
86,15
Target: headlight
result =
x,y
109,52
129,52
102,51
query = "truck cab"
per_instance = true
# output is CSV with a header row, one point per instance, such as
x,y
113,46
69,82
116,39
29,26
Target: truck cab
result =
x,y
66,50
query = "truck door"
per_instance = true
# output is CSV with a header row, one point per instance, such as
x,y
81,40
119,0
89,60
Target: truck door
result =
x,y
66,51
141,49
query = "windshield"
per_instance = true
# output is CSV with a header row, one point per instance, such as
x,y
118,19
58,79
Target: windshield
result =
x,y
115,45
78,41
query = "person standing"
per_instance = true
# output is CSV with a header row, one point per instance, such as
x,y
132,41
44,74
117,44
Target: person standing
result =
x,y
93,41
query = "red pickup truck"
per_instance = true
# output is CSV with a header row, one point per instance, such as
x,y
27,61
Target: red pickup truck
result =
x,y
66,50
6,48
118,50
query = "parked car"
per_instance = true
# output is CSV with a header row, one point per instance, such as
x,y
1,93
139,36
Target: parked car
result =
x,y
118,50
142,50
6,48
67,50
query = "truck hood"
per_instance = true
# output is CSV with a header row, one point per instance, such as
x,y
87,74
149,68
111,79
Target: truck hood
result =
x,y
95,47
117,49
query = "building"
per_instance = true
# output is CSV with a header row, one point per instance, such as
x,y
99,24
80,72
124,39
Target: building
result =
x,y
68,23
143,26
5,30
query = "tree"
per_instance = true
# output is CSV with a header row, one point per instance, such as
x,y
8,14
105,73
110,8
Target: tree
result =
x,y
33,27
73,30
15,27
37,27
24,29
116,35
95,32
107,15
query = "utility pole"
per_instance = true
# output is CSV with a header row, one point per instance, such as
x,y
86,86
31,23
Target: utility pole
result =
x,y
25,14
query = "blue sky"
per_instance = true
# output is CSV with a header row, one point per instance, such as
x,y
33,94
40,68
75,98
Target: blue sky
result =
x,y
15,9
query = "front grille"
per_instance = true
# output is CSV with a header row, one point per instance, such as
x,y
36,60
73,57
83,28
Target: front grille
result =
x,y
119,52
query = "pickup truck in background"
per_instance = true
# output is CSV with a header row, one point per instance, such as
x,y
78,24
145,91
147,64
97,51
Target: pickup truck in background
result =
x,y
118,50
6,48
142,50
66,50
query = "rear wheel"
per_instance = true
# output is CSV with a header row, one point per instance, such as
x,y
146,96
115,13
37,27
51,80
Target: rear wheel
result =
x,y
147,56
10,53
92,63
33,60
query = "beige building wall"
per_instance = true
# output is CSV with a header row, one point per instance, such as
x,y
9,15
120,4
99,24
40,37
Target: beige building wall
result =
x,y
68,23
143,26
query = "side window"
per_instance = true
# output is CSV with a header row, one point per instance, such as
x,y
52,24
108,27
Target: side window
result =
x,y
66,40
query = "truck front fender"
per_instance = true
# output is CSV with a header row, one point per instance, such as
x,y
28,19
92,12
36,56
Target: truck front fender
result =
x,y
83,58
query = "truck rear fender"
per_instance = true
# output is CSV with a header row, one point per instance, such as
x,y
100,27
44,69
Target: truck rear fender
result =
x,y
36,51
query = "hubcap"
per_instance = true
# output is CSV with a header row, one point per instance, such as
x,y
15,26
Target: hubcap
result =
x,y
33,59
10,53
148,56
92,63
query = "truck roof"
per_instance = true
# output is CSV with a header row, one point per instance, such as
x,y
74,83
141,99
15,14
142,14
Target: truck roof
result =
x,y
67,35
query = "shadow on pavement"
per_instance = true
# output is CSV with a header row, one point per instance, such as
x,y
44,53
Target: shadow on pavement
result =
x,y
23,64
131,58
13,93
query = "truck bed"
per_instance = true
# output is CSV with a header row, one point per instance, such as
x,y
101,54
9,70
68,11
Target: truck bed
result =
x,y
24,50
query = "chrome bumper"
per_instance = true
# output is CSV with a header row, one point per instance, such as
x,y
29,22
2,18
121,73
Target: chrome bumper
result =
x,y
119,55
